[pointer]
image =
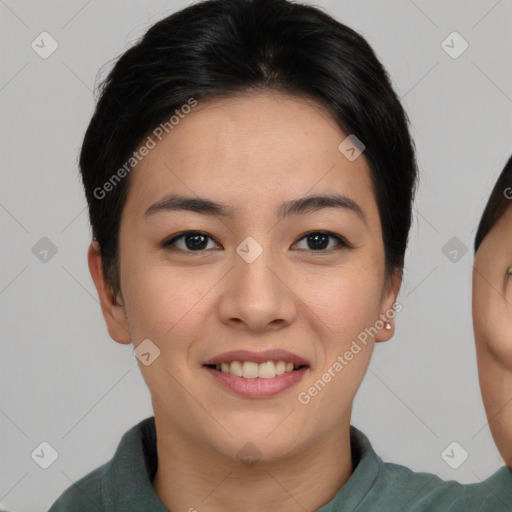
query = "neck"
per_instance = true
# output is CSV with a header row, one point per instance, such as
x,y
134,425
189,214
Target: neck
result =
x,y
194,478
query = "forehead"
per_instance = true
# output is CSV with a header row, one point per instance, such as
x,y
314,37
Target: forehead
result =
x,y
251,149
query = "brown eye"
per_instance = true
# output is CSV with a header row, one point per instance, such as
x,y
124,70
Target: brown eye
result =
x,y
191,241
318,241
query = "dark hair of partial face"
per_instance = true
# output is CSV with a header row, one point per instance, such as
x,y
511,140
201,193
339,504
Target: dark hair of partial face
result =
x,y
499,201
218,48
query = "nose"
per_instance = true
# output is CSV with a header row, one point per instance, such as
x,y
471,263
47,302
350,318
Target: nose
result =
x,y
258,296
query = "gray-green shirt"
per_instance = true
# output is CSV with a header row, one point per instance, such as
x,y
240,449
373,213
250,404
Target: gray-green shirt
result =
x,y
124,484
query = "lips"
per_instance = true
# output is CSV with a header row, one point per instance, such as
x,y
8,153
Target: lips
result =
x,y
252,374
257,387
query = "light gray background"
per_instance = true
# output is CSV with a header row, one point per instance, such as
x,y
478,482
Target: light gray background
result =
x,y
64,381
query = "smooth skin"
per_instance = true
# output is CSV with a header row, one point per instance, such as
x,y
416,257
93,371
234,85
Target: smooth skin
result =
x,y
492,322
252,152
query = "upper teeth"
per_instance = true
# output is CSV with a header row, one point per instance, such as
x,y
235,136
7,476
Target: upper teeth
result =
x,y
252,370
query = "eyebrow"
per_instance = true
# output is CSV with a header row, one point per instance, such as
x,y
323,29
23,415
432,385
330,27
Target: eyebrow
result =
x,y
303,205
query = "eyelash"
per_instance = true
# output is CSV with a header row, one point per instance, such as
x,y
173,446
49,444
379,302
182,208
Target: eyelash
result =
x,y
342,242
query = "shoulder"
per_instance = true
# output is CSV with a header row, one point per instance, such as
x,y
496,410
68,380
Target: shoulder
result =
x,y
84,495
123,481
419,491
383,485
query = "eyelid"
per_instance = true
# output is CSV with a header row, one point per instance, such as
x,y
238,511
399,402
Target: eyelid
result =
x,y
342,241
168,243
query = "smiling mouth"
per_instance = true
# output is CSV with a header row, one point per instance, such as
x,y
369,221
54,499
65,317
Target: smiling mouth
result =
x,y
253,370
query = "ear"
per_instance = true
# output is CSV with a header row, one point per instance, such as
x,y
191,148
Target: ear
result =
x,y
113,312
388,313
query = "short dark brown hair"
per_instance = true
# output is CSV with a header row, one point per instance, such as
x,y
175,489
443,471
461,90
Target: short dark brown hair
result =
x,y
219,47
498,202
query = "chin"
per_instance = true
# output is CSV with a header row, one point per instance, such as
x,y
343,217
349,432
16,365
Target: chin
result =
x,y
251,445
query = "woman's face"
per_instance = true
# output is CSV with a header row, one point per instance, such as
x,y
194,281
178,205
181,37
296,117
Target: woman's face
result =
x,y
492,291
253,280
492,322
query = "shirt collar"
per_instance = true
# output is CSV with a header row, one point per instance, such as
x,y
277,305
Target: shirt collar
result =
x,y
127,484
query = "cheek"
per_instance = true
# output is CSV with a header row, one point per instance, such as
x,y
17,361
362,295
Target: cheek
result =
x,y
167,307
164,304
342,307
492,319
347,296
